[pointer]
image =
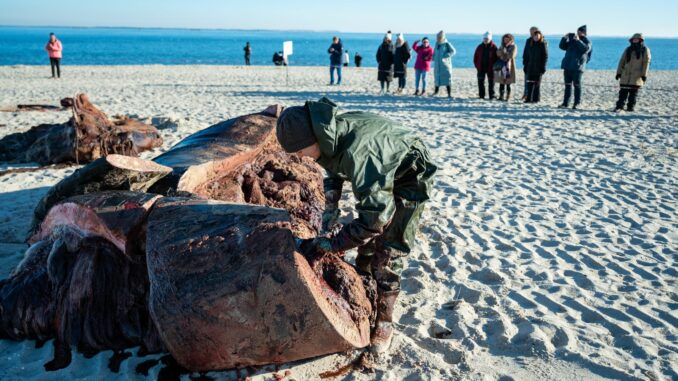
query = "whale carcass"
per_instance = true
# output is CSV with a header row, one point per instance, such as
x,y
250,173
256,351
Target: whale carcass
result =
x,y
196,251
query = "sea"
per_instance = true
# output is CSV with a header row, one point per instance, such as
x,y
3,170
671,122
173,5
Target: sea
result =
x,y
146,46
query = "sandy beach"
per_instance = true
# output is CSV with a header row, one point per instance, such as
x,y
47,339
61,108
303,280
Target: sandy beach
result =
x,y
548,251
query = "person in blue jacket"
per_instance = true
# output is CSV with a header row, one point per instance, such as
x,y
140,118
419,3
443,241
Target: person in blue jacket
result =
x,y
578,51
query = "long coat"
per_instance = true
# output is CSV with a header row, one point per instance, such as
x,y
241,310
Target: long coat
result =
x,y
401,57
508,55
442,61
535,57
634,69
385,55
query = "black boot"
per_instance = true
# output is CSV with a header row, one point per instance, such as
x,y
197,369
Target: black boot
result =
x,y
508,95
449,91
435,91
501,93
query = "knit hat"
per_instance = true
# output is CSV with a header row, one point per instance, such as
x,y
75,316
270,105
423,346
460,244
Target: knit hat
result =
x,y
294,130
582,29
401,37
389,36
487,36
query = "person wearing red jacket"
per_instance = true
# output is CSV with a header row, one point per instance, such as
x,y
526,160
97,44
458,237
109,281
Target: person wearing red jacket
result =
x,y
484,59
54,49
423,64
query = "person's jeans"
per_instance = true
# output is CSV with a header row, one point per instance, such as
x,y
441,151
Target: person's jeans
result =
x,y
572,78
402,81
338,69
55,64
420,76
481,84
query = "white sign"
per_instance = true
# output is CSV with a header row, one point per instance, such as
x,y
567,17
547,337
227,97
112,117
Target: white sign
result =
x,y
287,49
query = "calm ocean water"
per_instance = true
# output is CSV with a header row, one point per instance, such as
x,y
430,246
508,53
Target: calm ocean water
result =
x,y
128,46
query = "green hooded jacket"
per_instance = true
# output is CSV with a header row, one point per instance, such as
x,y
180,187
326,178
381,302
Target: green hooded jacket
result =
x,y
367,150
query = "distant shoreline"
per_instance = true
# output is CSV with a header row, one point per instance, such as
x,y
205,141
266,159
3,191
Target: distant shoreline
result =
x,y
296,31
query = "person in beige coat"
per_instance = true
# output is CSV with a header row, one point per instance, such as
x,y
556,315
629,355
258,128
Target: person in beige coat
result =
x,y
632,71
505,67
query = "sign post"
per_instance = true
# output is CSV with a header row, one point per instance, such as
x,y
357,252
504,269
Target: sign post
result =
x,y
288,50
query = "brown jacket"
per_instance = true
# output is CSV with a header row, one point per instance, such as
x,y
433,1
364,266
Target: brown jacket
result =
x,y
633,70
505,53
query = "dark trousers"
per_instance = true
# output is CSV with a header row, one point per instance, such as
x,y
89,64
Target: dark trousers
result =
x,y
55,64
402,81
247,60
572,79
533,88
481,84
506,87
630,93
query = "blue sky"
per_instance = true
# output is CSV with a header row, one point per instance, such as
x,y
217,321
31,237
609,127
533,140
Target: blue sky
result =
x,y
604,17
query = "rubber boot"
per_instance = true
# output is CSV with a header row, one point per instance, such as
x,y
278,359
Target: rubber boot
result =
x,y
435,92
508,95
501,93
382,335
449,91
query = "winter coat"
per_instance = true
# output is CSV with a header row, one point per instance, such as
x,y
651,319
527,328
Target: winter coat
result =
x,y
442,58
478,57
335,56
424,57
54,49
577,53
535,57
385,56
367,150
632,69
508,55
401,57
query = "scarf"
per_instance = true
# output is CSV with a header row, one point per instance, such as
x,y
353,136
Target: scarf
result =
x,y
638,48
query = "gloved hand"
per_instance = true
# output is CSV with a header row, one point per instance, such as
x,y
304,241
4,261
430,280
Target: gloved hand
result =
x,y
617,77
318,246
330,218
644,78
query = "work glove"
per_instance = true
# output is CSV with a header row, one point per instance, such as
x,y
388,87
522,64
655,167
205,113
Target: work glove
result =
x,y
617,77
315,247
644,78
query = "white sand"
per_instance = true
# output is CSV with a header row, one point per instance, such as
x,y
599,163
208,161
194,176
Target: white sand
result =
x,y
556,229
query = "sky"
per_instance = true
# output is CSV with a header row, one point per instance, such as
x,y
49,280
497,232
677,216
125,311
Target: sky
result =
x,y
655,18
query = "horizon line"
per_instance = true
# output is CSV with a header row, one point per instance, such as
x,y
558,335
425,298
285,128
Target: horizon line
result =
x,y
274,30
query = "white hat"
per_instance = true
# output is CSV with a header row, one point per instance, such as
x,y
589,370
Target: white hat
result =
x,y
487,35
388,35
401,37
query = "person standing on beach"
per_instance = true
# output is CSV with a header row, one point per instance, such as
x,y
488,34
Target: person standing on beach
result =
x,y
335,50
358,59
484,59
248,53
632,71
578,51
385,55
534,65
505,67
345,59
54,50
391,174
422,65
442,58
401,58
527,44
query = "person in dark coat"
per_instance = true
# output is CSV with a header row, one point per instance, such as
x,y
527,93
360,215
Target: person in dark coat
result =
x,y
385,56
527,43
484,59
279,59
358,59
391,174
248,53
534,65
401,58
335,50
578,51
